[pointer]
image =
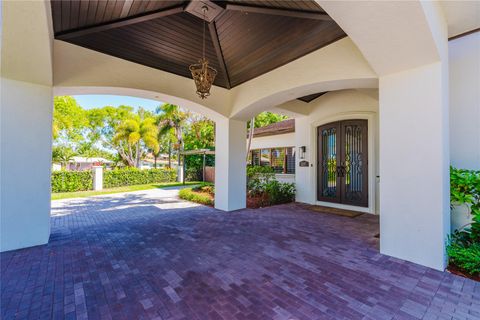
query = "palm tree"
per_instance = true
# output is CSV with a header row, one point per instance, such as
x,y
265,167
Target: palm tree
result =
x,y
133,134
171,118
63,155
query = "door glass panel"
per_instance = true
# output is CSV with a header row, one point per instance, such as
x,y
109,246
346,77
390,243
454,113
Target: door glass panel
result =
x,y
329,162
353,163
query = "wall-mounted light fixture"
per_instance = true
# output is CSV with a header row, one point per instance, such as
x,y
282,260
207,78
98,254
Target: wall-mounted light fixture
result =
x,y
301,152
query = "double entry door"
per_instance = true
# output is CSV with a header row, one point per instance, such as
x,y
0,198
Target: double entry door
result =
x,y
342,167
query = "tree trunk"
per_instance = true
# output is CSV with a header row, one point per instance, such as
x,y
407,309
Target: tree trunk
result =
x,y
137,155
250,136
169,153
155,160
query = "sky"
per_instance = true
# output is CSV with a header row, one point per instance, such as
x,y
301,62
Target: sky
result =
x,y
98,101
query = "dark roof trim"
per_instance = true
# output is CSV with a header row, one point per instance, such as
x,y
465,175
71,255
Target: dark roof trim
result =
x,y
464,34
282,127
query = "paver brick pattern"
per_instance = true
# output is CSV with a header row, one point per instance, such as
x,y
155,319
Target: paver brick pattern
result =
x,y
144,256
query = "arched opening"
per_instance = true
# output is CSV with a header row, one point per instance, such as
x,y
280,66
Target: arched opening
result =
x,y
175,125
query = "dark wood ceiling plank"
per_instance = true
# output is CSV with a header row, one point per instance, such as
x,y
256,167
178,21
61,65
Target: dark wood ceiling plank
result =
x,y
92,11
83,13
277,58
305,5
127,5
118,23
279,12
113,43
74,13
118,10
279,45
309,98
100,14
166,46
56,14
218,49
109,10
65,15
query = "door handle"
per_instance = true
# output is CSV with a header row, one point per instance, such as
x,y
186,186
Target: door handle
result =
x,y
340,171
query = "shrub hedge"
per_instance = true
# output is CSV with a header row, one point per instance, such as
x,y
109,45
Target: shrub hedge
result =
x,y
134,176
201,197
70,181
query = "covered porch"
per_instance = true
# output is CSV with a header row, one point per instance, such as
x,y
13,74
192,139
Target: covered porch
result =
x,y
390,70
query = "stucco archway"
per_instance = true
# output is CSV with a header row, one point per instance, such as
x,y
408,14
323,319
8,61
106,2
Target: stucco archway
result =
x,y
157,96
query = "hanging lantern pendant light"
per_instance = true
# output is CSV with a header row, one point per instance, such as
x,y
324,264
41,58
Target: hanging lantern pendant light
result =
x,y
202,73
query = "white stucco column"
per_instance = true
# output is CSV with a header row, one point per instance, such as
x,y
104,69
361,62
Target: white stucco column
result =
x,y
26,150
97,172
414,165
230,164
26,107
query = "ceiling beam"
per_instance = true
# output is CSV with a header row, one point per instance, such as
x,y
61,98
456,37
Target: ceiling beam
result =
x,y
218,49
280,12
118,23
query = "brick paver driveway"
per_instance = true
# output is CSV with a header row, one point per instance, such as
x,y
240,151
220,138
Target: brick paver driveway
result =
x,y
146,255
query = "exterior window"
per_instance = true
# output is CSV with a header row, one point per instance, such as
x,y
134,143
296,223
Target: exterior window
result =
x,y
282,160
265,157
290,162
278,160
255,157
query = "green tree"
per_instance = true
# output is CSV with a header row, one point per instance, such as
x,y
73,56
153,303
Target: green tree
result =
x,y
265,118
172,119
63,154
133,136
68,119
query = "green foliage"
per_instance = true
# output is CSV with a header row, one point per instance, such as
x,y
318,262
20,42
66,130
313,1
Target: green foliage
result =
x,y
205,188
464,246
68,119
265,118
466,257
62,154
261,181
133,176
280,192
193,174
257,178
465,189
135,134
69,181
196,196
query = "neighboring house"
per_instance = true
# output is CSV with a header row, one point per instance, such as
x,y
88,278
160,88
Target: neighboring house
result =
x,y
274,146
83,163
162,161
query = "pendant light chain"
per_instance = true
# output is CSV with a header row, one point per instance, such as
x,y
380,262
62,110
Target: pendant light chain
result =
x,y
203,75
203,48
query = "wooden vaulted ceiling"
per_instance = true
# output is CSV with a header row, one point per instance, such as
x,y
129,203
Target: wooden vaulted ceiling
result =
x,y
246,40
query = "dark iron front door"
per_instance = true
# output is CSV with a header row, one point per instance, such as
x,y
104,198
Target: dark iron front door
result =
x,y
342,171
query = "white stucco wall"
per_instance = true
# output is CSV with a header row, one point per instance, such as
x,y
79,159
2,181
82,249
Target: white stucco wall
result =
x,y
336,106
464,61
275,141
25,184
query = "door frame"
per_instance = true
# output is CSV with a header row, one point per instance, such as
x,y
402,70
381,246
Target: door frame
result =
x,y
373,181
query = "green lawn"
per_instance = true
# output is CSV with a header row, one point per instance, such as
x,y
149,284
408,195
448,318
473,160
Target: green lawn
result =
x,y
83,194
